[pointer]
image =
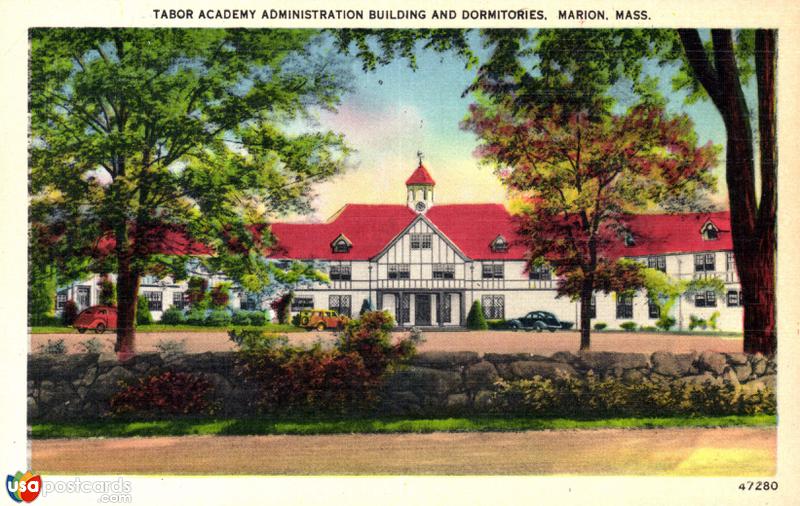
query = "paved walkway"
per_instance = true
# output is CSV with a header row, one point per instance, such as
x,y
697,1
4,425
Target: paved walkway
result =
x,y
481,341
684,452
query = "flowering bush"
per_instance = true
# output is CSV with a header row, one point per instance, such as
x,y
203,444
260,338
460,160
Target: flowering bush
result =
x,y
343,379
169,393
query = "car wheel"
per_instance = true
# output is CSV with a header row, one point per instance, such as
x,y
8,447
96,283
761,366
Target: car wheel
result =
x,y
514,326
552,329
82,331
321,327
100,328
538,327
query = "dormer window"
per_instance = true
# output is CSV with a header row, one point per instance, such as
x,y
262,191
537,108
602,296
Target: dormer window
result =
x,y
499,245
710,231
629,240
341,244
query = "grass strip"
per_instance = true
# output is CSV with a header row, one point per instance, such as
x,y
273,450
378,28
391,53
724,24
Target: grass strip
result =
x,y
263,426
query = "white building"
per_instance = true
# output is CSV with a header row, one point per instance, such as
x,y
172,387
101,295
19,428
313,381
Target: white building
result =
x,y
426,263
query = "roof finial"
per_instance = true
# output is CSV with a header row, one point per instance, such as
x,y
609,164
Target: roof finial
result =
x,y
419,155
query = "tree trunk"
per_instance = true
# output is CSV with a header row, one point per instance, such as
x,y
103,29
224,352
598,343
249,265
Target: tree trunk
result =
x,y
127,297
587,290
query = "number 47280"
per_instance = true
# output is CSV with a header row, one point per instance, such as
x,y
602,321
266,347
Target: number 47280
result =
x,y
758,485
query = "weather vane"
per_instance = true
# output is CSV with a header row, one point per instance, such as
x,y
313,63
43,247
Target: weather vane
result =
x,y
419,155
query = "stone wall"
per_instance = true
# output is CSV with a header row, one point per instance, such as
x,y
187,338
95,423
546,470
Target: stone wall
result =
x,y
62,387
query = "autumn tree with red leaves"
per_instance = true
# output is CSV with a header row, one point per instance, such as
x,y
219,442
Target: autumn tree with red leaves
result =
x,y
582,177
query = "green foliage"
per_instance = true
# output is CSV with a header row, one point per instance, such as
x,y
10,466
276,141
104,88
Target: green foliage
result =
x,y
593,397
108,292
248,340
296,320
241,318
600,326
171,346
665,323
41,294
695,322
628,326
173,316
712,320
220,294
497,324
258,318
366,306
92,345
196,292
143,315
53,347
196,317
70,312
475,318
218,318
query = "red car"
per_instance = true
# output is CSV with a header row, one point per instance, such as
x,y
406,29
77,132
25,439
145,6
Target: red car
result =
x,y
97,318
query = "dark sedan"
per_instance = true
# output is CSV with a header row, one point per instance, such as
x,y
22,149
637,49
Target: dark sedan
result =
x,y
538,321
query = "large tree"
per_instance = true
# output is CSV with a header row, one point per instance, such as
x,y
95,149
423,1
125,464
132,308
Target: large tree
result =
x,y
584,177
142,136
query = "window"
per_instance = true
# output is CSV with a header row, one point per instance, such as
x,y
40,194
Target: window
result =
x,y
83,297
540,273
735,298
704,262
491,271
421,241
630,241
705,299
149,280
340,272
341,244
499,245
445,310
653,311
340,303
61,300
593,307
154,300
624,306
403,308
710,232
301,303
730,261
493,307
249,302
444,271
179,300
657,262
399,271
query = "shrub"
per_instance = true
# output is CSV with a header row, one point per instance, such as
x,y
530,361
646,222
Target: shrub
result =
x,y
296,320
628,326
258,319
665,323
611,397
53,347
218,318
220,295
108,294
169,393
600,326
475,318
196,292
497,324
648,328
70,312
712,320
196,317
143,316
256,340
173,316
241,318
696,322
171,346
282,307
343,379
366,307
93,345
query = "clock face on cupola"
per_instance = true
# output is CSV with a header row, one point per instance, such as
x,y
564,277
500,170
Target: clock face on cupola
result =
x,y
420,189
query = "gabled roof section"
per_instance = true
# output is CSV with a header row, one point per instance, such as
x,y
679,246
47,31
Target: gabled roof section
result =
x,y
420,176
434,228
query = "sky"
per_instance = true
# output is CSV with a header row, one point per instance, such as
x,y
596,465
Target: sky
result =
x,y
396,111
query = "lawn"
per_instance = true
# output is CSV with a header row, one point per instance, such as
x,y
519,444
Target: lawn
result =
x,y
158,327
264,426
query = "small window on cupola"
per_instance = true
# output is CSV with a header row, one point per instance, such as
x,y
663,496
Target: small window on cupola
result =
x,y
499,245
710,231
341,244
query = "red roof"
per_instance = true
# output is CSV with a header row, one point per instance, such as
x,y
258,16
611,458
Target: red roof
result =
x,y
473,228
162,240
420,176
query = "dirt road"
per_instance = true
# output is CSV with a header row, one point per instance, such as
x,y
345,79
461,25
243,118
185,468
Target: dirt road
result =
x,y
480,341
684,452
